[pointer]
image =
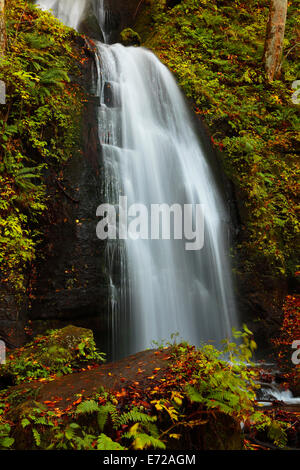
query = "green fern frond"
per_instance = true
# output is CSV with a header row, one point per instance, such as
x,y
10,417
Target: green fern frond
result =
x,y
135,416
194,395
144,441
87,407
38,41
37,437
54,77
24,171
103,413
106,443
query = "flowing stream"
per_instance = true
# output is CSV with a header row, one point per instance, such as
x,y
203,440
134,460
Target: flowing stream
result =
x,y
152,155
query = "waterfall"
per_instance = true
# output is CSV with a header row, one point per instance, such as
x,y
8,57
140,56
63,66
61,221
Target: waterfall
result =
x,y
70,12
101,13
152,154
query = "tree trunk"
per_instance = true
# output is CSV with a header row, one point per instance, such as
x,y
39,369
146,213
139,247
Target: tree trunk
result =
x,y
274,38
2,29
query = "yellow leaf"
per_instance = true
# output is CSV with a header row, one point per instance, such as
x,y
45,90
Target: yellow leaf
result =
x,y
134,428
178,401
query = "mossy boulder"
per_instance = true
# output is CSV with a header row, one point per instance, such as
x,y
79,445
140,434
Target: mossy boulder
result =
x,y
129,37
59,352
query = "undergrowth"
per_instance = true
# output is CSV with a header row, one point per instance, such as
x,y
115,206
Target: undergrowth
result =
x,y
39,127
215,50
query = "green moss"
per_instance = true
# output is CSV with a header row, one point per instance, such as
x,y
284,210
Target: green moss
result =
x,y
39,127
215,49
60,352
130,37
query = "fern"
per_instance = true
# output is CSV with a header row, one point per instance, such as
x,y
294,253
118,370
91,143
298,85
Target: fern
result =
x,y
70,432
87,407
144,441
38,41
103,413
5,440
54,77
37,437
27,172
141,440
84,443
106,443
134,416
194,395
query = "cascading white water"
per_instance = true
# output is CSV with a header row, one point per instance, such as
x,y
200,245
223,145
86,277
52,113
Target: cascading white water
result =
x,y
70,12
151,154
100,10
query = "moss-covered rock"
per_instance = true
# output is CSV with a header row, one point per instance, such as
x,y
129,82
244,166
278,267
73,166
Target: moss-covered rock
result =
x,y
130,37
57,353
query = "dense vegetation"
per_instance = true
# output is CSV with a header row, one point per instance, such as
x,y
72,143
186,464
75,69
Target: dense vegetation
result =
x,y
215,49
39,127
199,401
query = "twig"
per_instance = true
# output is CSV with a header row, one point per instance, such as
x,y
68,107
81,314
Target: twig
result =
x,y
65,193
267,445
291,48
137,9
184,423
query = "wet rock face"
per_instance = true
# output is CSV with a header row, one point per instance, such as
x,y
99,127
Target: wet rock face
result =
x,y
69,280
90,27
12,317
120,14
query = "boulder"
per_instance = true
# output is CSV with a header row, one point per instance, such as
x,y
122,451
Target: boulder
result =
x,y
60,352
130,37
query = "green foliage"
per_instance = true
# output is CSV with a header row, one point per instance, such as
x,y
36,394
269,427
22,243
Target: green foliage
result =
x,y
50,433
6,441
217,382
88,406
215,49
108,415
37,437
130,37
39,127
201,390
106,443
141,440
